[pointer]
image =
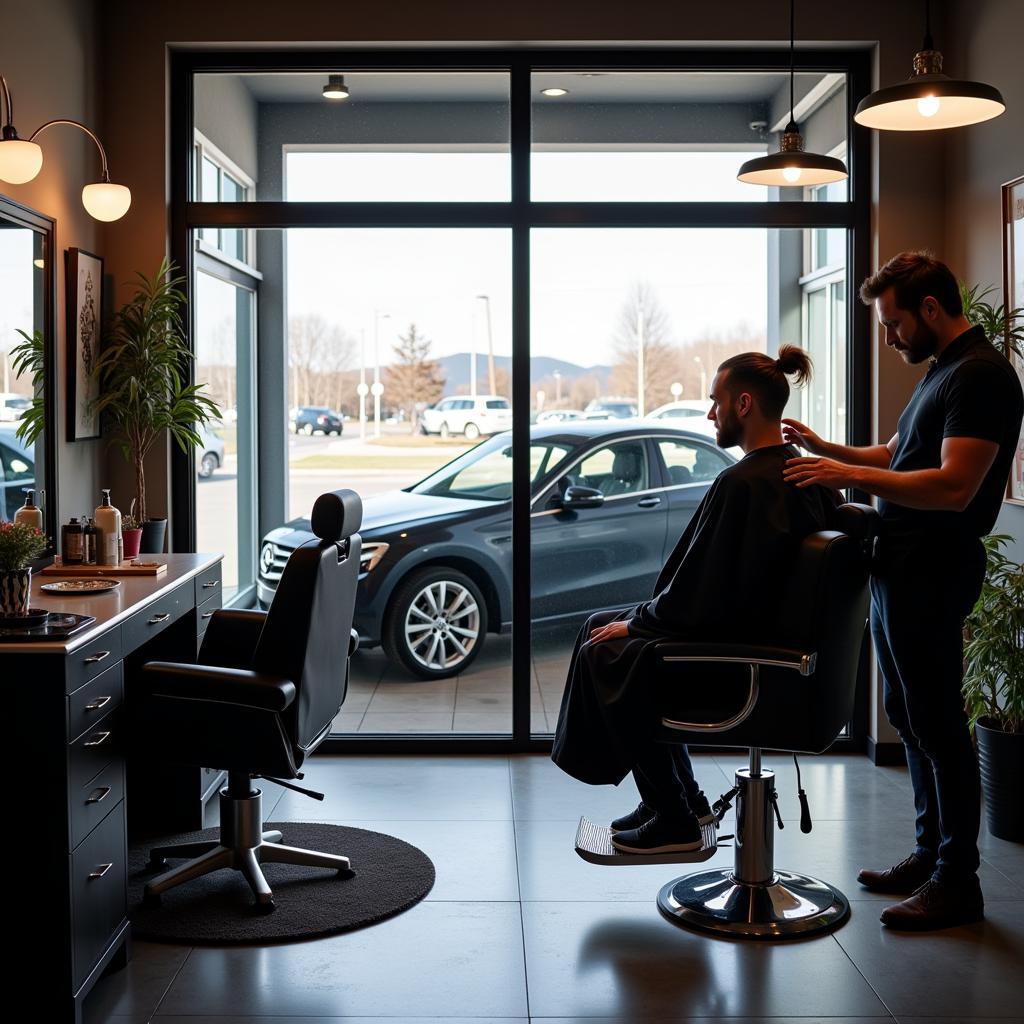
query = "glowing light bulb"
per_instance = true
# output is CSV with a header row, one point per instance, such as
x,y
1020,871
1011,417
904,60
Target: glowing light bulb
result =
x,y
106,201
791,174
928,106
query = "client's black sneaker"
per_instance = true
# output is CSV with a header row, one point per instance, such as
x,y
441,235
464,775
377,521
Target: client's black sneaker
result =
x,y
659,835
937,904
901,879
634,819
702,808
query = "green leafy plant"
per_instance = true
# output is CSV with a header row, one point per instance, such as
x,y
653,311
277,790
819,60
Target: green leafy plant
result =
x,y
1004,328
30,357
143,372
994,643
19,544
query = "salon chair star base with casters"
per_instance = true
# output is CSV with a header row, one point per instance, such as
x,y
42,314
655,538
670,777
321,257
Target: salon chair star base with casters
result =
x,y
262,698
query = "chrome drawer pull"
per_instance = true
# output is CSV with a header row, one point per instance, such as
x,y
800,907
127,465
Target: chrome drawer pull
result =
x,y
104,792
162,617
210,585
99,702
100,871
206,615
98,656
103,737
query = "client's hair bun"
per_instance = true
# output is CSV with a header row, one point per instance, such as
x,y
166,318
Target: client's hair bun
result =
x,y
794,361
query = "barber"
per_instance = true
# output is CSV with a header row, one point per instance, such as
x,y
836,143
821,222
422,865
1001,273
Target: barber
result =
x,y
940,481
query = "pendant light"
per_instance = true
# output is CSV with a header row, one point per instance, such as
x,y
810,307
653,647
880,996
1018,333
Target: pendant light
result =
x,y
792,166
336,89
929,99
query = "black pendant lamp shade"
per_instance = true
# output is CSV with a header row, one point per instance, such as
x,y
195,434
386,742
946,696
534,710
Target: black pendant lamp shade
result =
x,y
929,99
792,166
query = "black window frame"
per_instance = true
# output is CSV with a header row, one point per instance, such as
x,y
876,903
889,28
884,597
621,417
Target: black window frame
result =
x,y
520,215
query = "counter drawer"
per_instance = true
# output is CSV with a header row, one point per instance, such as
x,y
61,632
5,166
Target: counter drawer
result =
x,y
97,747
93,658
156,617
90,703
99,900
208,584
95,799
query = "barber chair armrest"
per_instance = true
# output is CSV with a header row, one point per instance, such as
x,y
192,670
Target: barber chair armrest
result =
x,y
218,685
231,637
803,662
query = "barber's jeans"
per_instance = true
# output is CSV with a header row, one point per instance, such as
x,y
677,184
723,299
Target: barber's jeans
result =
x,y
920,597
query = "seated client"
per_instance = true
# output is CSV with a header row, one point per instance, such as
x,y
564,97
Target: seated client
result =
x,y
723,582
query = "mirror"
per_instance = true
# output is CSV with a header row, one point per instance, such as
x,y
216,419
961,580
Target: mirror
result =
x,y
578,496
27,305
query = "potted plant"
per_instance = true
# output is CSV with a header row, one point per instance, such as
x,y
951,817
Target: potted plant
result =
x,y
19,545
131,534
143,372
1004,328
994,688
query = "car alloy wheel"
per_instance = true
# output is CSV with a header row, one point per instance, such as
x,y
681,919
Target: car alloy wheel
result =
x,y
207,465
308,429
436,623
472,431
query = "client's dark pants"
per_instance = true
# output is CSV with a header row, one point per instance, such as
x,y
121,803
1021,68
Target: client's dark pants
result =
x,y
664,777
920,596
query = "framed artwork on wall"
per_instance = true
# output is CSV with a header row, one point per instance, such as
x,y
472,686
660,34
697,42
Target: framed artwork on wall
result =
x,y
84,310
1013,298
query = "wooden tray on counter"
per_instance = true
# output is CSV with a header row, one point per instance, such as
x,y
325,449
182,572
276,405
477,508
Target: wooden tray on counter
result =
x,y
124,569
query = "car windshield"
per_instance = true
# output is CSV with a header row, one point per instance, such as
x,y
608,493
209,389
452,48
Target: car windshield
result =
x,y
485,473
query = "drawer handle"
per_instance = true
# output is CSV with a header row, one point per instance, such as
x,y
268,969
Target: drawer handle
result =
x,y
103,791
100,871
210,585
99,702
161,617
206,615
98,656
103,737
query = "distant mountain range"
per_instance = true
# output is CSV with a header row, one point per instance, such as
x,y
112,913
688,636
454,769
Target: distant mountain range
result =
x,y
455,369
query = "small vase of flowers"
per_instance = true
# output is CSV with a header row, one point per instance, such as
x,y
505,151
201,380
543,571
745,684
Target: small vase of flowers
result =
x,y
19,545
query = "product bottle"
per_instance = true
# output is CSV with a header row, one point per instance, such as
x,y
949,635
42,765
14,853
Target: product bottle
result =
x,y
30,514
108,522
90,542
71,542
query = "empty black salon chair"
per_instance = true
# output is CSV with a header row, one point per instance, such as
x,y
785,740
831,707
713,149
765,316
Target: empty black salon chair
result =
x,y
262,698
795,695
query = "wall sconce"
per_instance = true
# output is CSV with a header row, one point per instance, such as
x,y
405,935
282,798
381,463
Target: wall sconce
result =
x,y
21,160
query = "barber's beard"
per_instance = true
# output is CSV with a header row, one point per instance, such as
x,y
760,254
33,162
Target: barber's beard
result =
x,y
923,345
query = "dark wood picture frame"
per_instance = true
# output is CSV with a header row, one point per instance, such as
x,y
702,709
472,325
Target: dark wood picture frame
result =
x,y
1013,298
84,307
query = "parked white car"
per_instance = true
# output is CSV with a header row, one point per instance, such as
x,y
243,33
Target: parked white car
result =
x,y
13,406
467,415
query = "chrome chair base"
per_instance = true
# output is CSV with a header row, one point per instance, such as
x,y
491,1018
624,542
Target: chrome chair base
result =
x,y
243,846
791,906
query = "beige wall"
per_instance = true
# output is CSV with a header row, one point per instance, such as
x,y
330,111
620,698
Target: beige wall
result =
x,y
50,56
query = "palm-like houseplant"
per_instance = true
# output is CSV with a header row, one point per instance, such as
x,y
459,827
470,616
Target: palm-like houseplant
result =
x,y
144,372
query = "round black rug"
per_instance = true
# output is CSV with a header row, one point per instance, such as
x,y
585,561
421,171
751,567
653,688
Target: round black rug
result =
x,y
218,909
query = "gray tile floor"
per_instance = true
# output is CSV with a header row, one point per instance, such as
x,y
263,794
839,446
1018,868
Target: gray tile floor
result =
x,y
518,928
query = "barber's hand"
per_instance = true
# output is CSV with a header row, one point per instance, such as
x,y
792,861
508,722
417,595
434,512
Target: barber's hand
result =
x,y
613,631
795,432
828,472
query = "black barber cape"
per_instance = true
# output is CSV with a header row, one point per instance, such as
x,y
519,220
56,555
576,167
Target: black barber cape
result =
x,y
724,581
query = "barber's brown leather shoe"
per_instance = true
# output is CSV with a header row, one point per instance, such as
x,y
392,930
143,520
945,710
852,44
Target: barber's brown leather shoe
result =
x,y
900,880
937,904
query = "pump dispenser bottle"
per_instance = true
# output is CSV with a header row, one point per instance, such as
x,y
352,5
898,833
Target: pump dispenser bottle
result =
x,y
108,522
30,514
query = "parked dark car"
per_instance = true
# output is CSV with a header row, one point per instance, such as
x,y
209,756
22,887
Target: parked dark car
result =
x,y
608,503
313,419
17,471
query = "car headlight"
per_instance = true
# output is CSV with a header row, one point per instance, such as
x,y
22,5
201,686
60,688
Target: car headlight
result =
x,y
266,558
371,555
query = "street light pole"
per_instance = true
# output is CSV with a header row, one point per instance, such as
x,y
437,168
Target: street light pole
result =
x,y
558,387
703,377
490,347
640,361
377,388
362,390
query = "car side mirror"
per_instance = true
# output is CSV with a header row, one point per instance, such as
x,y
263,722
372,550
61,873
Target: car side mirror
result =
x,y
577,497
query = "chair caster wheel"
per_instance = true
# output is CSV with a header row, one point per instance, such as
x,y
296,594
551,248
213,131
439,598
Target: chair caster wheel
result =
x,y
346,873
156,864
150,900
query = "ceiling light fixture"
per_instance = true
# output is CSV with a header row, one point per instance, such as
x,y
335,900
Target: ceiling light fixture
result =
x,y
22,159
791,165
554,91
336,89
929,100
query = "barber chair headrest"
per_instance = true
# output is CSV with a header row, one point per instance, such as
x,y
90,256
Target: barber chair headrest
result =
x,y
861,522
336,515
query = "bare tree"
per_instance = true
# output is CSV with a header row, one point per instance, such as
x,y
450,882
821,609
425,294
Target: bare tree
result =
x,y
643,324
318,355
414,379
701,357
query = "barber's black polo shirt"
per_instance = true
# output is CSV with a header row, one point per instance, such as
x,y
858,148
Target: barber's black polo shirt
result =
x,y
971,390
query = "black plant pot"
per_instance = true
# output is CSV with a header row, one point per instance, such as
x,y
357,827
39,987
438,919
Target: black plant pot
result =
x,y
1001,758
153,532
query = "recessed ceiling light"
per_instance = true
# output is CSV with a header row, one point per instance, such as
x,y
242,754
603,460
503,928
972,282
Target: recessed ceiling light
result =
x,y
336,89
554,91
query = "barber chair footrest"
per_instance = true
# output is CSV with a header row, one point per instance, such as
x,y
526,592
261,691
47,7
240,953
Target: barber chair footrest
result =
x,y
594,844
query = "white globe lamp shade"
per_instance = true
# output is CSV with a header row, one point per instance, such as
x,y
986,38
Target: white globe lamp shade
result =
x,y
106,201
20,161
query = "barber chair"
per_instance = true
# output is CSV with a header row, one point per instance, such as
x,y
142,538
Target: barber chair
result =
x,y
793,697
260,700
